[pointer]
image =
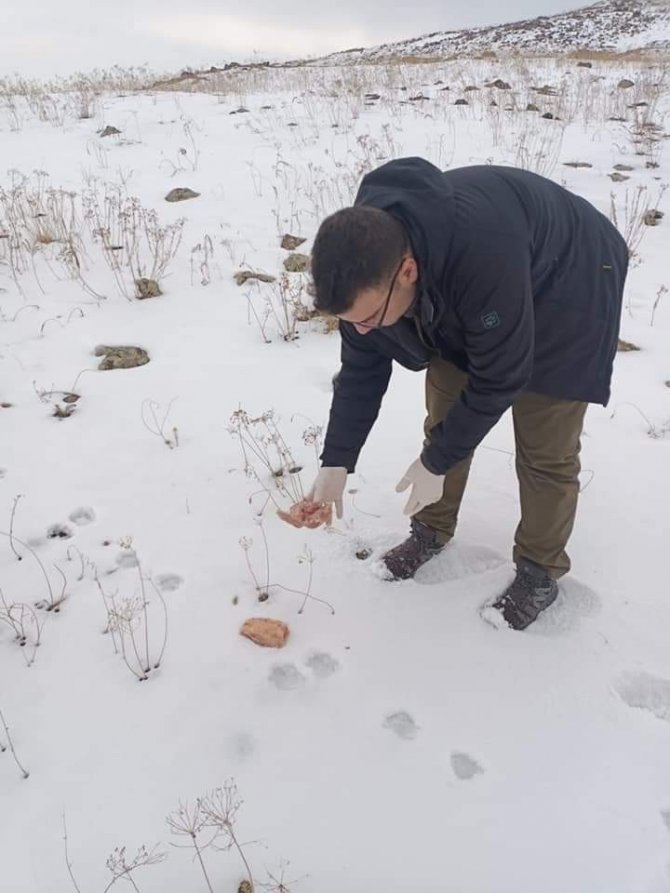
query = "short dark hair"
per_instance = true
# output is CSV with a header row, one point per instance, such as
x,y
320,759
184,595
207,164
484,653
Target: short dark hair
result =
x,y
355,248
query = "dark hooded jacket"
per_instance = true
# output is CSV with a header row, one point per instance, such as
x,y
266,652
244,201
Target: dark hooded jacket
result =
x,y
520,286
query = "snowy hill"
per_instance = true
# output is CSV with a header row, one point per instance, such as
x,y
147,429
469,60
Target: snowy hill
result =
x,y
612,25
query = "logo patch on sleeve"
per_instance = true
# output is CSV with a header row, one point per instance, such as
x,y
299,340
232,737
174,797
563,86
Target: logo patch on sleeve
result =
x,y
490,320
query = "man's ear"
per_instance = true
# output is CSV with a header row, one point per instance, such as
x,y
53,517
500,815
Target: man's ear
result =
x,y
410,271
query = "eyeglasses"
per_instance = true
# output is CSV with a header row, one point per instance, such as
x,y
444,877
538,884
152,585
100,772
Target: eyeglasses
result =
x,y
384,307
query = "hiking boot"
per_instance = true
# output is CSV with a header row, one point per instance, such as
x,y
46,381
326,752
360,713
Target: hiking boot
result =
x,y
403,561
530,593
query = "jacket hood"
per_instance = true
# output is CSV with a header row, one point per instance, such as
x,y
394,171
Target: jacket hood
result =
x,y
416,193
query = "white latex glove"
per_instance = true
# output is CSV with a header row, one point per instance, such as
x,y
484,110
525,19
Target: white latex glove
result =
x,y
427,487
329,487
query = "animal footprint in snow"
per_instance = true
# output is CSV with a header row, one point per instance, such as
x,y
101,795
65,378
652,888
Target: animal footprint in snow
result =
x,y
646,692
59,531
241,746
286,677
665,815
169,582
402,724
127,558
322,664
83,515
464,766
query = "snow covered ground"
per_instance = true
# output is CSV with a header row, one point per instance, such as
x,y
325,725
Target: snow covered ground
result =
x,y
397,742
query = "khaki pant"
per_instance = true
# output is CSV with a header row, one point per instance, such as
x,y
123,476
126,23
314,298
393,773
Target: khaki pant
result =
x,y
547,432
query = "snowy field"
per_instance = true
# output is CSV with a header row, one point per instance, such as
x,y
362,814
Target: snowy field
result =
x,y
397,742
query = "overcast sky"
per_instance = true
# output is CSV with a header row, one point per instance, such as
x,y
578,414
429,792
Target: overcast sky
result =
x,y
39,38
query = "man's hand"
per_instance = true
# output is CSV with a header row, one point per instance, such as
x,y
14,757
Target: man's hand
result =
x,y
427,487
329,488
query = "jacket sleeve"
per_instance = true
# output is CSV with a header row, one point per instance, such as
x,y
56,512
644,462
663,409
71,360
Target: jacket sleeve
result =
x,y
361,385
494,303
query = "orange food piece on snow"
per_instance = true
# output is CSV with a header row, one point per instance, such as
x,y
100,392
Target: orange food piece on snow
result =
x,y
266,632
